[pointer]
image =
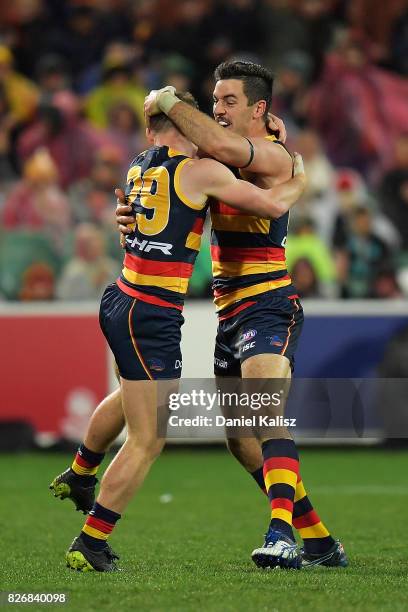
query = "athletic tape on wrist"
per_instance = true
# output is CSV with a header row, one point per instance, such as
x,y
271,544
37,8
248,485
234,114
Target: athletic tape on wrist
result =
x,y
166,101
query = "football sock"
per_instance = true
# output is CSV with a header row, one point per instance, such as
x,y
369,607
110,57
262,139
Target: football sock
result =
x,y
315,536
86,463
280,470
98,527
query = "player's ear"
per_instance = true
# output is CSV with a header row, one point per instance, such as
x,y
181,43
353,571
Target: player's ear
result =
x,y
259,109
149,135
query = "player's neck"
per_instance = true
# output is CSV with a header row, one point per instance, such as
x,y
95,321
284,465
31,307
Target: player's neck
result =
x,y
257,129
175,141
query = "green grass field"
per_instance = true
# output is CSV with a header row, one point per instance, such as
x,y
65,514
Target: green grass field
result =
x,y
194,552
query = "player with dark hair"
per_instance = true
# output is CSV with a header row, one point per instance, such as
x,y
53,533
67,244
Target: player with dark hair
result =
x,y
250,281
141,314
254,297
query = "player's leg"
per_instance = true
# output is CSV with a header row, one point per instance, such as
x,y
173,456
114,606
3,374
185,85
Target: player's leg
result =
x,y
267,337
284,486
78,481
137,332
123,477
280,470
316,538
105,424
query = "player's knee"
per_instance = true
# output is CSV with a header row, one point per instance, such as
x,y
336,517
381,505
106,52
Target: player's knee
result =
x,y
149,446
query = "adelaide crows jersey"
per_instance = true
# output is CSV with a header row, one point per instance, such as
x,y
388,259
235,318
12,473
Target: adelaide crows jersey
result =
x,y
248,253
162,248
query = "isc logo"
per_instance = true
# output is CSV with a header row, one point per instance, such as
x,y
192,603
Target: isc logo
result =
x,y
248,346
150,245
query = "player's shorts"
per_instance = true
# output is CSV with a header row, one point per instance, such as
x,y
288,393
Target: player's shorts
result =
x,y
269,323
144,338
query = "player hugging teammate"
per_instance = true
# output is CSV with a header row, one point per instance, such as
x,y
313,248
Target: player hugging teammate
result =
x,y
141,314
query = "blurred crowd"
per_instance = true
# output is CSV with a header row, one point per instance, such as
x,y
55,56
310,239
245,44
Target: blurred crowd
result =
x,y
73,76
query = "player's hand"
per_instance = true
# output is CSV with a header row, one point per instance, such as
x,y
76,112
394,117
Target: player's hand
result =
x,y
275,124
151,106
123,215
298,167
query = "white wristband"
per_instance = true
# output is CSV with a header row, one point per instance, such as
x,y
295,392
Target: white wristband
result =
x,y
166,101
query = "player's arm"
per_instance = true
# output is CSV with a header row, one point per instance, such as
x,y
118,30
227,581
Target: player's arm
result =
x,y
257,155
207,177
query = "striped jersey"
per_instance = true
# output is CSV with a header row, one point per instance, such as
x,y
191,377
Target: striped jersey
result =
x,y
166,237
248,253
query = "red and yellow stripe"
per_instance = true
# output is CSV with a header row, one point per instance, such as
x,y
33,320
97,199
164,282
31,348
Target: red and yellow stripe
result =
x,y
236,268
240,223
97,528
309,524
82,467
194,237
247,255
171,275
229,261
222,299
281,471
145,297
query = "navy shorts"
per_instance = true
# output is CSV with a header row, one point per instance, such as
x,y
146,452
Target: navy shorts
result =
x,y
269,323
144,338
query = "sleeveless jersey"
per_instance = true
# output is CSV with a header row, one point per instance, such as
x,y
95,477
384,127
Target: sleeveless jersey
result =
x,y
248,253
162,248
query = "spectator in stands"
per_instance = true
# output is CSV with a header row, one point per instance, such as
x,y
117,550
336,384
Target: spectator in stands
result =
x,y
364,253
92,198
7,122
360,123
305,279
385,285
52,75
126,133
21,94
117,86
36,201
38,283
305,243
319,201
352,193
334,105
69,139
291,98
87,274
394,190
79,37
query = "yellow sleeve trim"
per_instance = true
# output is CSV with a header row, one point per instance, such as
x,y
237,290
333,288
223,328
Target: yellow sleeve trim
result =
x,y
178,190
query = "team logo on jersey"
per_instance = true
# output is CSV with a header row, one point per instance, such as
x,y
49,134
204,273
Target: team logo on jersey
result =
x,y
274,340
157,365
150,245
248,335
248,346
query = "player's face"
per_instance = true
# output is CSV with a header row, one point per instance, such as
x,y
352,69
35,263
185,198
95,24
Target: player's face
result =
x,y
230,106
